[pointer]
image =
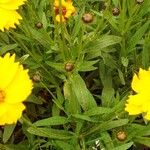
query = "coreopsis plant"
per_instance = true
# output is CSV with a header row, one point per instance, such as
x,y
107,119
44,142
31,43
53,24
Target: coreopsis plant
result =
x,y
8,13
82,71
66,7
15,87
140,102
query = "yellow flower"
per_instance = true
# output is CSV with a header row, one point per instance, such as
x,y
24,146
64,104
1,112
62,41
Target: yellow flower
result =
x,y
140,102
66,7
141,82
15,87
8,14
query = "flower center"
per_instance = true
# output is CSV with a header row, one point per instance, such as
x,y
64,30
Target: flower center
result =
x,y
63,9
2,95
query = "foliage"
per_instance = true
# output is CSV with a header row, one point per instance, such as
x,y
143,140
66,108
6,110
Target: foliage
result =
x,y
80,105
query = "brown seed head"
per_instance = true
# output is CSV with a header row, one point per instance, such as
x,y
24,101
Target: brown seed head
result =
x,y
139,1
69,66
39,25
121,136
87,18
115,11
36,77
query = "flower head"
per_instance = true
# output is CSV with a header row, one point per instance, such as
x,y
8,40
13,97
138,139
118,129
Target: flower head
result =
x,y
15,87
140,102
8,14
67,10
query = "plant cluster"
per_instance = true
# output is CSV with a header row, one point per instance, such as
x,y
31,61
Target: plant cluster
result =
x,y
88,61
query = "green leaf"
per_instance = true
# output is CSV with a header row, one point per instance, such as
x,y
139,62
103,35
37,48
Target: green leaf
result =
x,y
7,48
112,21
60,99
83,117
121,76
109,60
83,95
64,145
108,125
136,130
108,91
98,111
87,65
56,120
106,138
23,58
142,140
146,53
123,146
42,37
137,36
50,133
34,99
21,146
102,43
145,9
8,130
71,104
57,66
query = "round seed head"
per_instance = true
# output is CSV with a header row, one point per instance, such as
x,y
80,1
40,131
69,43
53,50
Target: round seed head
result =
x,y
115,11
87,18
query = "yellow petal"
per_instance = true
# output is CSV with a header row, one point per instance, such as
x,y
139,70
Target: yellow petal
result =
x,y
68,14
147,116
141,82
11,4
134,104
133,109
58,4
8,69
19,88
8,19
3,108
59,19
12,114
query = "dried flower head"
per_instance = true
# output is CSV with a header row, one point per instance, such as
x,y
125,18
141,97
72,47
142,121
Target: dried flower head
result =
x,y
39,25
121,135
69,66
115,11
139,1
87,18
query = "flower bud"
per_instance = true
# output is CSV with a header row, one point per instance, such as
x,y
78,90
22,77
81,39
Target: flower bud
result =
x,y
139,1
39,25
121,136
87,18
36,77
69,66
115,11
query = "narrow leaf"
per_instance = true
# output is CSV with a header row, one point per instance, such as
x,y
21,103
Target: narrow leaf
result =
x,y
8,130
84,96
123,146
56,120
50,133
137,36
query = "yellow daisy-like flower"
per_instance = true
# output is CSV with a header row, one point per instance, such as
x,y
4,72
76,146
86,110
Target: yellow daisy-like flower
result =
x,y
66,7
8,14
140,102
15,87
